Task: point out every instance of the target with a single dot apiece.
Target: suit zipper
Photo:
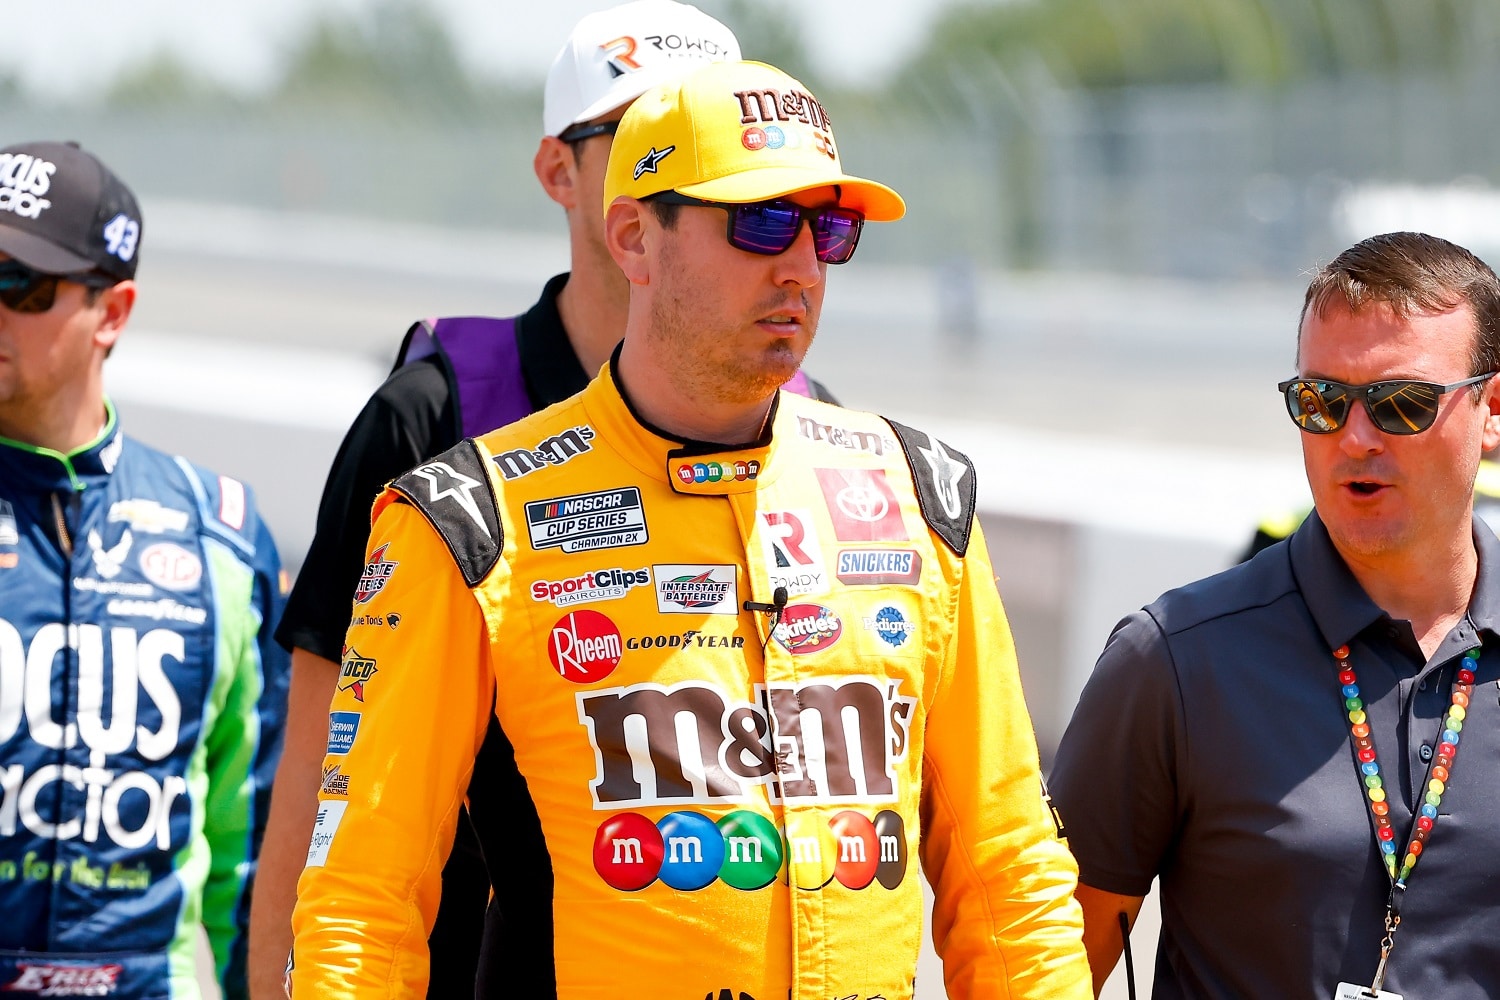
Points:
(70, 665)
(61, 522)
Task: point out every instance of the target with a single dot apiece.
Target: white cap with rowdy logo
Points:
(614, 56)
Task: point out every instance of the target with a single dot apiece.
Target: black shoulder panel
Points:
(453, 491)
(945, 485)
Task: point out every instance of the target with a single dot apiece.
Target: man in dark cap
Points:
(141, 695)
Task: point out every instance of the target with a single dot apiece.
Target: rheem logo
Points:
(584, 646)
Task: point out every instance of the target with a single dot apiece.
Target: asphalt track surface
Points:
(258, 335)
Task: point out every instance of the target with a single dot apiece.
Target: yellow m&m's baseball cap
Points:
(735, 132)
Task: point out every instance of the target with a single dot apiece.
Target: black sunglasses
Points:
(580, 132)
(1399, 406)
(26, 290)
(771, 227)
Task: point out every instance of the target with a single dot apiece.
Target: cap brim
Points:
(874, 200)
(35, 252)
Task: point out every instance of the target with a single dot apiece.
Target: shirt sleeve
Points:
(1114, 783)
(410, 418)
(410, 713)
(243, 746)
(1004, 919)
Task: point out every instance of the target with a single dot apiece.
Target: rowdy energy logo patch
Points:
(793, 558)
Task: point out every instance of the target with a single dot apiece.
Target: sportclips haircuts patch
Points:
(609, 519)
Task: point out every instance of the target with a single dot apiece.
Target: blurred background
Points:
(1114, 205)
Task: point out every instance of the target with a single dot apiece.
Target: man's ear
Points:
(557, 171)
(115, 304)
(1491, 437)
(625, 231)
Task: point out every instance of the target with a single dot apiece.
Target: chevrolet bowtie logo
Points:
(647, 164)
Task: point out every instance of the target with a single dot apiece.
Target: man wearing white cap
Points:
(459, 377)
(750, 674)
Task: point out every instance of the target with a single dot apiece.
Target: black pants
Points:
(459, 930)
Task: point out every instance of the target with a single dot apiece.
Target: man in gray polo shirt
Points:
(1306, 748)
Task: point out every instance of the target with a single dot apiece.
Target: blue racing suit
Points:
(141, 707)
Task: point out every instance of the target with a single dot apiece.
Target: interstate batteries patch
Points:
(608, 519)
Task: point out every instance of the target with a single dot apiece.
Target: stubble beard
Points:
(705, 364)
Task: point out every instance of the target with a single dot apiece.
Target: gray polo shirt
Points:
(1211, 748)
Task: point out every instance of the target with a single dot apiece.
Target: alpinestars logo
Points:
(444, 482)
(648, 163)
(947, 473)
(23, 180)
(49, 980)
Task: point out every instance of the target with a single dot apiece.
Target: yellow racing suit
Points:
(746, 690)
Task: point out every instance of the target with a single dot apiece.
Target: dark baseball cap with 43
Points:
(62, 211)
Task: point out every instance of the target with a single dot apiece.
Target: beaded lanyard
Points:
(1437, 783)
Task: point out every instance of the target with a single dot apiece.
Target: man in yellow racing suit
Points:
(746, 687)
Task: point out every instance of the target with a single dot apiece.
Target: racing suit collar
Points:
(48, 470)
(701, 468)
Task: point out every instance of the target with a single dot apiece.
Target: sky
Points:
(66, 48)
